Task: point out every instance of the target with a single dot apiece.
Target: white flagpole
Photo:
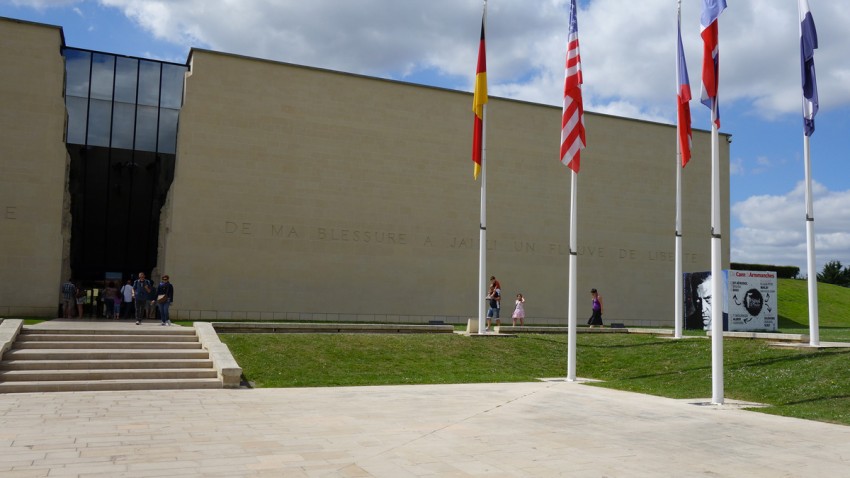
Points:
(677, 280)
(814, 333)
(716, 279)
(810, 106)
(678, 299)
(571, 317)
(482, 228)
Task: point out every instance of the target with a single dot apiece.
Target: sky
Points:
(628, 51)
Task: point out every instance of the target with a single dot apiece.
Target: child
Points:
(519, 312)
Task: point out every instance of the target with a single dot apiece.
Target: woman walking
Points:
(595, 318)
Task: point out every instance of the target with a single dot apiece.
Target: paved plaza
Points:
(549, 428)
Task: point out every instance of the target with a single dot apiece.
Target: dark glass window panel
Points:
(172, 86)
(100, 122)
(123, 125)
(126, 79)
(96, 174)
(146, 128)
(168, 130)
(102, 76)
(77, 119)
(149, 83)
(77, 69)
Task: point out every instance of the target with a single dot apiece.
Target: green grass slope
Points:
(793, 304)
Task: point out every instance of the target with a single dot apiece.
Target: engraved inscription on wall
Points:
(395, 238)
(9, 213)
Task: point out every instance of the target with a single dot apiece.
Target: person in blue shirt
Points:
(164, 298)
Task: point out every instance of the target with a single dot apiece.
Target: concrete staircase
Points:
(79, 358)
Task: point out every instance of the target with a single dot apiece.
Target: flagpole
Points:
(571, 306)
(709, 97)
(678, 299)
(808, 44)
(716, 279)
(677, 270)
(572, 142)
(814, 333)
(482, 228)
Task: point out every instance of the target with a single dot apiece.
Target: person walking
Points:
(596, 317)
(142, 290)
(494, 296)
(110, 294)
(519, 311)
(69, 296)
(164, 298)
(80, 298)
(127, 293)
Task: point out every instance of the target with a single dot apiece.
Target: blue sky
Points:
(628, 60)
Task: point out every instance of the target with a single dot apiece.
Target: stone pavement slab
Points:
(550, 428)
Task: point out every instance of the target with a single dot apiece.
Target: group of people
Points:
(494, 302)
(140, 294)
(494, 299)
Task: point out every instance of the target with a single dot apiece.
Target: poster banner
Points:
(698, 300)
(752, 301)
(748, 302)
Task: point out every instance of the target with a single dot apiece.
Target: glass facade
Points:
(123, 115)
(121, 102)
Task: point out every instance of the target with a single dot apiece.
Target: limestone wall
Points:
(308, 194)
(33, 164)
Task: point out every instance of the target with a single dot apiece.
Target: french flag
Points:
(808, 44)
(711, 10)
(683, 96)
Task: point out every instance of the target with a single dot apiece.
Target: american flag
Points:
(683, 98)
(572, 120)
(711, 10)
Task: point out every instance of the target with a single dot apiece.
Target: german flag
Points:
(478, 101)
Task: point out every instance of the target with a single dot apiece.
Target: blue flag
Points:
(808, 44)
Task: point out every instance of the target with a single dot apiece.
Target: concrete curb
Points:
(314, 328)
(9, 330)
(228, 370)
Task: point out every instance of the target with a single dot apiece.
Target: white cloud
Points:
(773, 228)
(628, 48)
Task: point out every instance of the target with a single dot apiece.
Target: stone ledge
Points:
(9, 330)
(765, 336)
(229, 372)
(313, 328)
(530, 329)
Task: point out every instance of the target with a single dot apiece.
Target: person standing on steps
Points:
(69, 298)
(164, 298)
(142, 290)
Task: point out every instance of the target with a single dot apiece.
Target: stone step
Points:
(103, 354)
(26, 344)
(116, 331)
(104, 374)
(100, 385)
(104, 364)
(30, 337)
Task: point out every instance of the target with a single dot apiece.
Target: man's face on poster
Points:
(704, 296)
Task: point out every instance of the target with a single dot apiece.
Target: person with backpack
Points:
(142, 291)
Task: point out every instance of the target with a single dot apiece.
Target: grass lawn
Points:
(810, 384)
